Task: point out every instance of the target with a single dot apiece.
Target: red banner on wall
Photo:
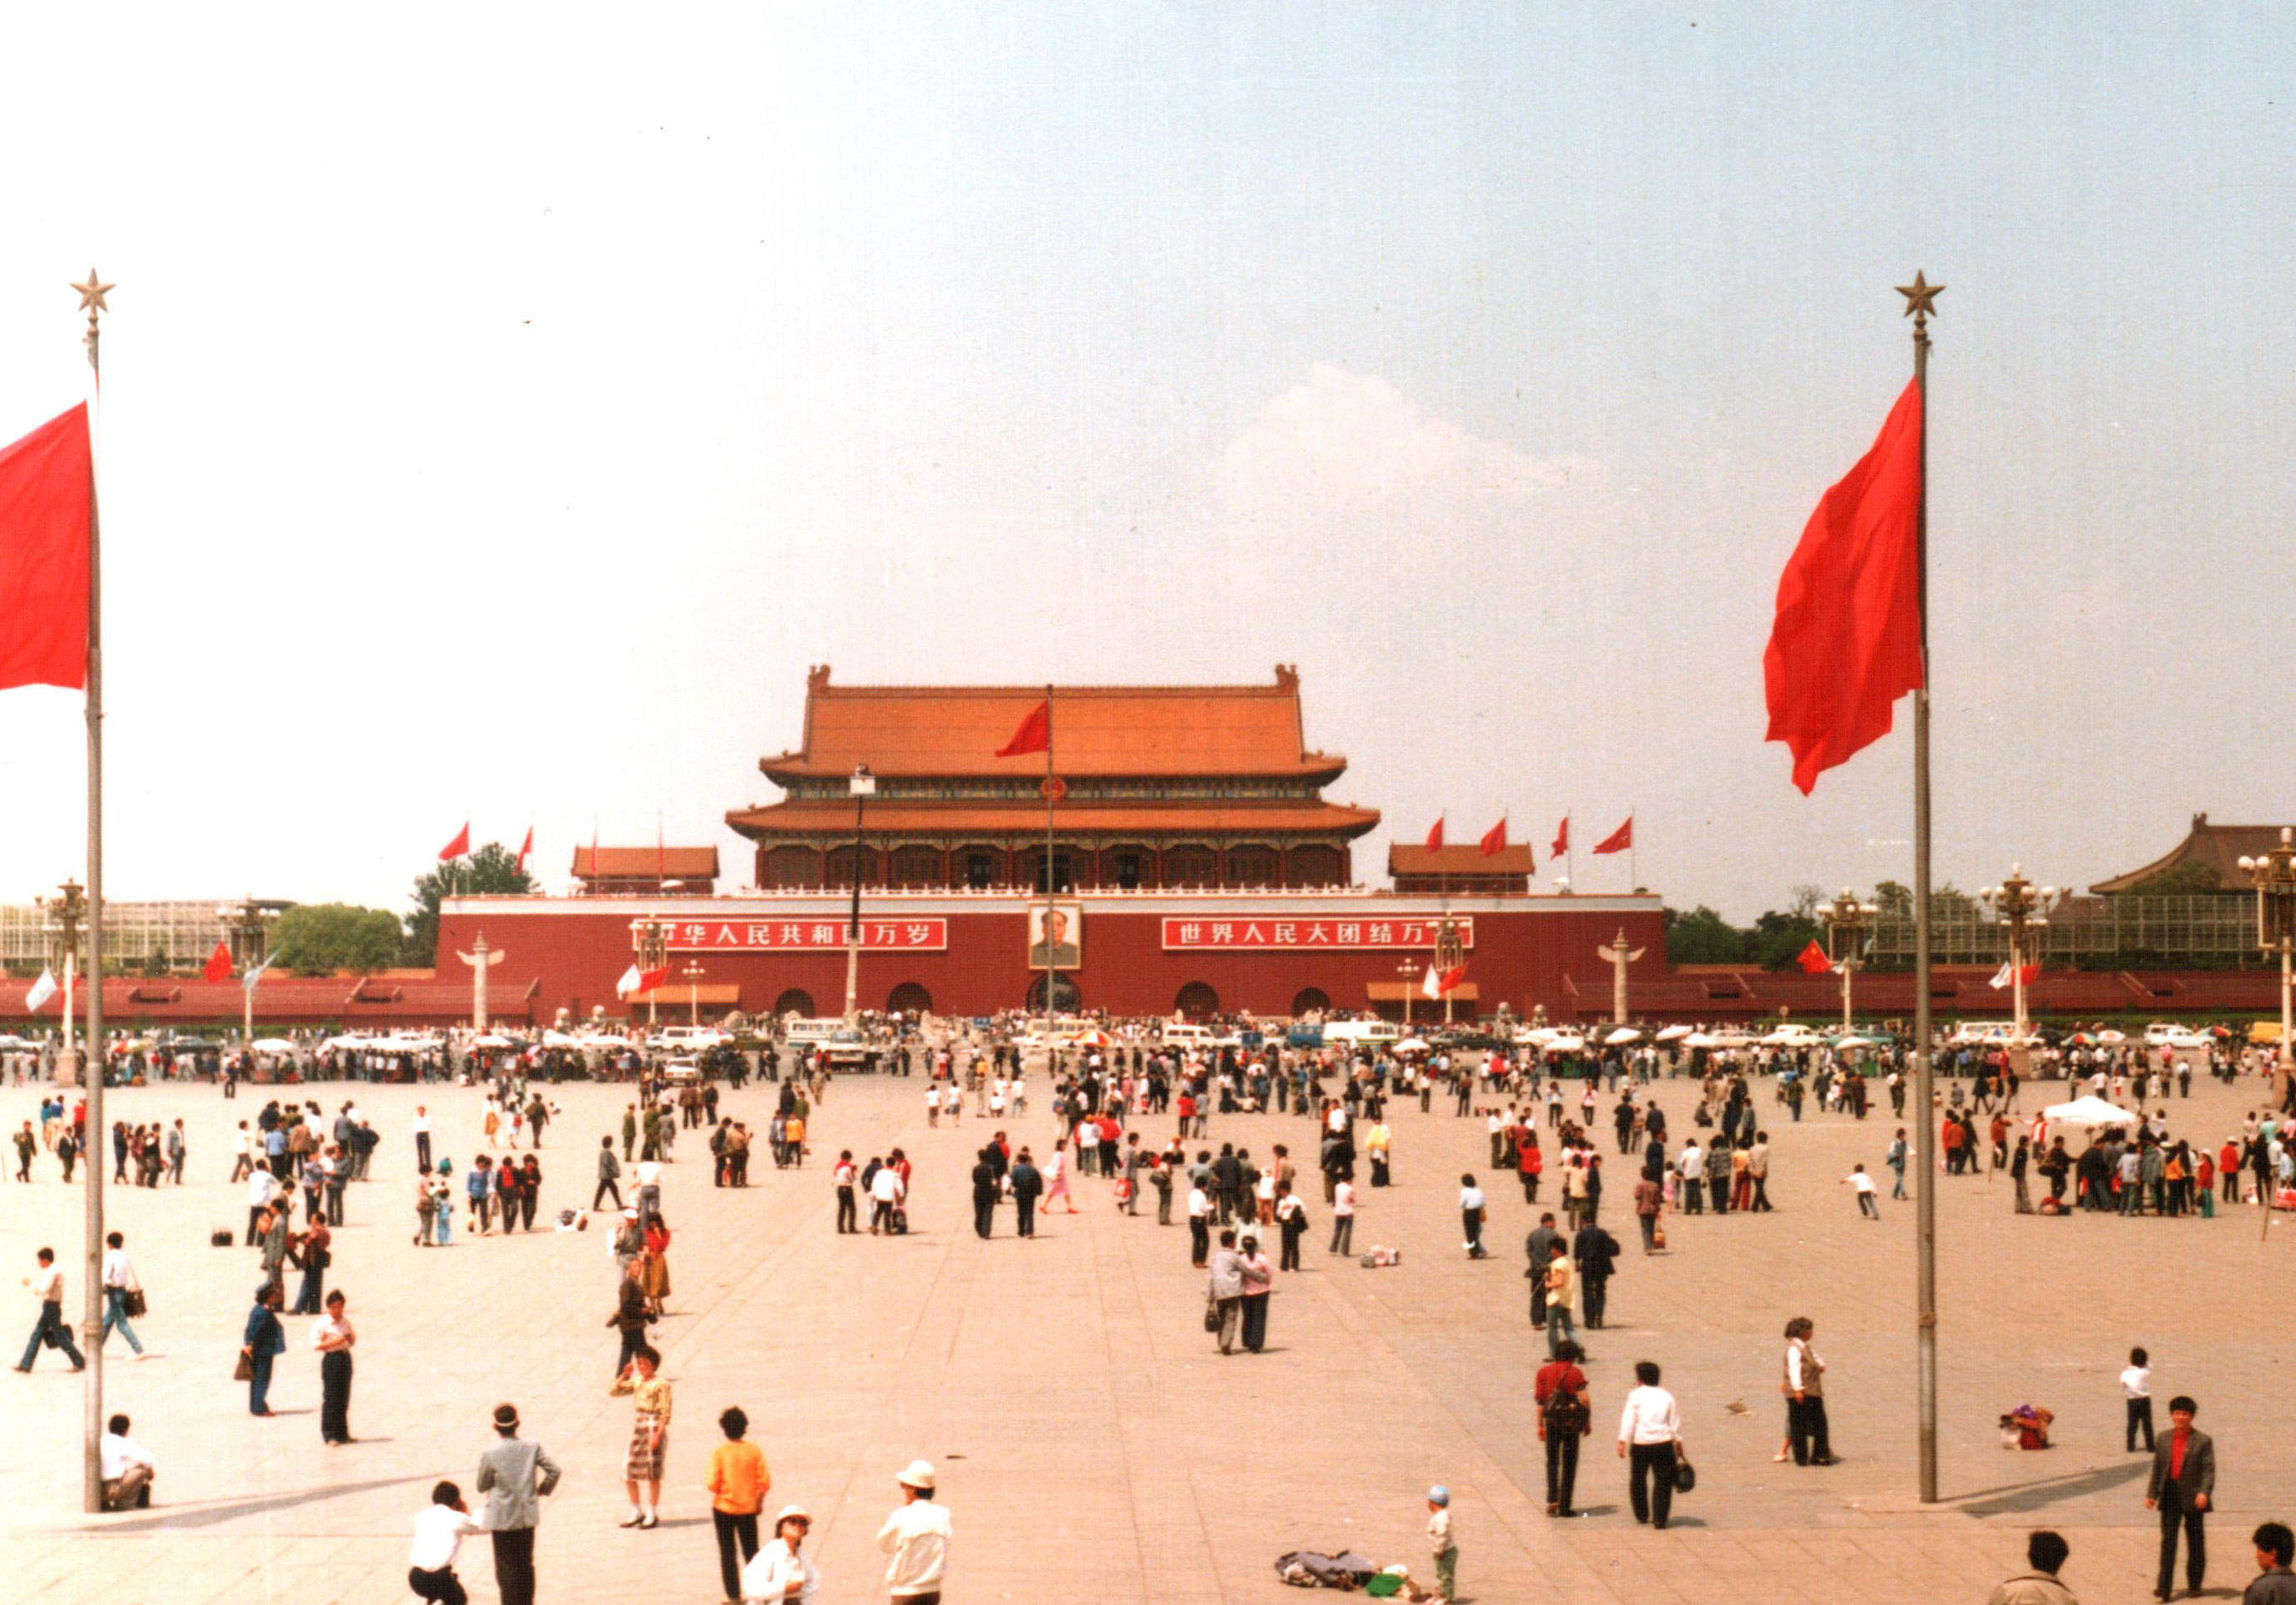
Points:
(1282, 933)
(783, 935)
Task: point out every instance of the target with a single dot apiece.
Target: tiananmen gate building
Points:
(1195, 867)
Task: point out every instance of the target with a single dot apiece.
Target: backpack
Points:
(1563, 1414)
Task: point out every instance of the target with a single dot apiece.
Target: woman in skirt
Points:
(649, 1434)
(654, 1278)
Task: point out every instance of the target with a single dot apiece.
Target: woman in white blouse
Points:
(780, 1570)
(1649, 1436)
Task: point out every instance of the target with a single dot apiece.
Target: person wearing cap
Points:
(916, 1535)
(738, 1483)
(1439, 1540)
(782, 1570)
(514, 1475)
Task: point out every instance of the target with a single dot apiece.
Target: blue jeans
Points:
(115, 1313)
(52, 1319)
(259, 1391)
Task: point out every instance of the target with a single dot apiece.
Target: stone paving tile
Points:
(1092, 1443)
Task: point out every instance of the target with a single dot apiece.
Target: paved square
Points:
(1092, 1444)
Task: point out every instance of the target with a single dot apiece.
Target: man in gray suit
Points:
(2184, 1483)
(513, 1475)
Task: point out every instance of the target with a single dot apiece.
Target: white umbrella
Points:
(1409, 1044)
(1852, 1042)
(2090, 1111)
(273, 1044)
(492, 1039)
(1566, 1044)
(1699, 1039)
(1674, 1033)
(2112, 1037)
(1623, 1033)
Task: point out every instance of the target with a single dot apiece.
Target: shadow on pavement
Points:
(2020, 1497)
(214, 1515)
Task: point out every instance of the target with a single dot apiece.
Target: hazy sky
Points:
(507, 405)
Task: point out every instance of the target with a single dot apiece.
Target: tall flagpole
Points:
(91, 302)
(1919, 302)
(1050, 790)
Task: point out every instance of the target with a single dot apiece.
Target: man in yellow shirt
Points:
(738, 1483)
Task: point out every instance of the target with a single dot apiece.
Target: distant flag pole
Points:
(1921, 298)
(91, 302)
(526, 847)
(1052, 797)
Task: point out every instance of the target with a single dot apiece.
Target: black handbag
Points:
(1211, 1315)
(1685, 1475)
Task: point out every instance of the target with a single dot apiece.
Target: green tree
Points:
(155, 963)
(492, 870)
(1702, 937)
(319, 938)
(1778, 938)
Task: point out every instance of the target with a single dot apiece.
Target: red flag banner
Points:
(1035, 734)
(1847, 642)
(1494, 840)
(1449, 981)
(218, 965)
(46, 502)
(1435, 837)
(1562, 839)
(1620, 839)
(460, 847)
(526, 847)
(1813, 960)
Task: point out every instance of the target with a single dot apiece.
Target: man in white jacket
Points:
(916, 1535)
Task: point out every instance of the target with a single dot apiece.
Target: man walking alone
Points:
(514, 1475)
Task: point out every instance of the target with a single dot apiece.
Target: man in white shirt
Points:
(1650, 1438)
(119, 1281)
(262, 1187)
(649, 1175)
(885, 1191)
(439, 1533)
(48, 1288)
(422, 1139)
(126, 1467)
(916, 1535)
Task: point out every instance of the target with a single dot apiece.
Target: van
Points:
(1361, 1033)
(1187, 1036)
(812, 1033)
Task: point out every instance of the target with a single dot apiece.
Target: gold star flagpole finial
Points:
(1921, 298)
(91, 302)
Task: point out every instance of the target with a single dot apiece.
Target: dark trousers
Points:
(1200, 1239)
(254, 1214)
(730, 1528)
(1718, 1189)
(1649, 1481)
(308, 1292)
(1290, 1258)
(1255, 1321)
(984, 1214)
(423, 1151)
(51, 1320)
(442, 1587)
(335, 1396)
(632, 1337)
(1561, 1469)
(606, 1189)
(515, 1565)
(1761, 1193)
(1025, 1217)
(258, 1386)
(1343, 1233)
(847, 1220)
(1806, 1428)
(1597, 1294)
(2140, 1418)
(1649, 1224)
(2174, 1513)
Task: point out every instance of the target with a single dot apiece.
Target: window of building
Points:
(1125, 868)
(1315, 864)
(981, 867)
(1062, 871)
(1251, 865)
(793, 866)
(916, 866)
(1191, 865)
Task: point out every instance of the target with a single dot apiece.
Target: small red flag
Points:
(1847, 642)
(1494, 840)
(1435, 837)
(460, 847)
(1813, 960)
(1035, 734)
(649, 979)
(526, 847)
(46, 496)
(1562, 839)
(1620, 839)
(218, 965)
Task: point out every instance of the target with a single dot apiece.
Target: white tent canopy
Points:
(2091, 1110)
(1623, 1033)
(1674, 1033)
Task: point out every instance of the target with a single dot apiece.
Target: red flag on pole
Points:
(1035, 734)
(525, 847)
(218, 965)
(1562, 846)
(1494, 840)
(1620, 839)
(460, 847)
(1813, 960)
(1435, 837)
(45, 503)
(1847, 642)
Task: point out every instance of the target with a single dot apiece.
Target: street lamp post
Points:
(2275, 877)
(67, 911)
(1410, 971)
(246, 928)
(863, 786)
(2019, 904)
(650, 940)
(692, 973)
(1847, 920)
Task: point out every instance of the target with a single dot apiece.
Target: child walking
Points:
(1867, 1204)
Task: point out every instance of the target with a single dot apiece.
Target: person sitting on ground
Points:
(127, 1468)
